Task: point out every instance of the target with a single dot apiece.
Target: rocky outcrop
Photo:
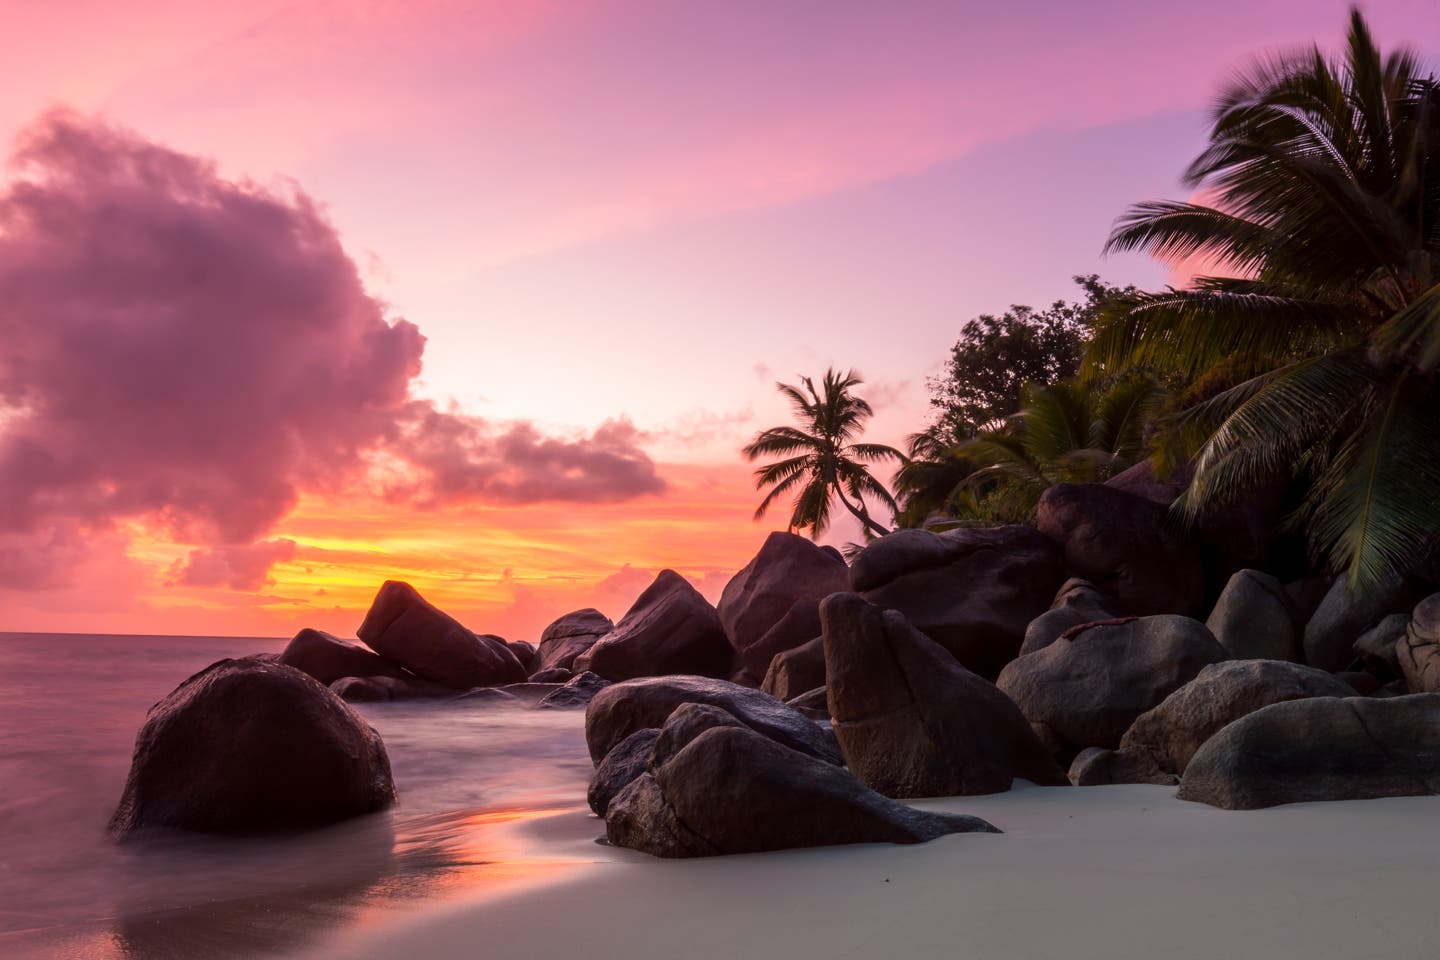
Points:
(627, 760)
(1418, 652)
(328, 658)
(913, 722)
(524, 651)
(1124, 546)
(670, 629)
(732, 790)
(973, 591)
(1320, 748)
(1378, 648)
(1220, 694)
(1098, 767)
(569, 637)
(1343, 616)
(1087, 688)
(249, 745)
(621, 709)
(404, 628)
(798, 670)
(1076, 602)
(578, 691)
(1253, 620)
(772, 604)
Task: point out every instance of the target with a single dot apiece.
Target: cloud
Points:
(194, 352)
(244, 567)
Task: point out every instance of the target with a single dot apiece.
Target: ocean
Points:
(476, 783)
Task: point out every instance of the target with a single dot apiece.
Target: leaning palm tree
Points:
(821, 461)
(1325, 226)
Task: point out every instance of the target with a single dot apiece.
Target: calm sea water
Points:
(476, 784)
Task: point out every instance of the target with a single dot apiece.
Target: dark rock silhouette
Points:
(568, 637)
(328, 658)
(797, 670)
(670, 629)
(403, 627)
(1253, 618)
(773, 603)
(1076, 602)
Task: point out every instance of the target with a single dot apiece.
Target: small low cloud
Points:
(244, 567)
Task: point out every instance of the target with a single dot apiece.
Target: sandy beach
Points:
(1114, 872)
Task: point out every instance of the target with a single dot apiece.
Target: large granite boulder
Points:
(251, 745)
(913, 722)
(1087, 688)
(785, 581)
(1343, 616)
(1378, 649)
(403, 627)
(1321, 748)
(578, 691)
(1076, 602)
(670, 629)
(1418, 652)
(328, 658)
(973, 591)
(569, 637)
(1253, 620)
(733, 790)
(1220, 694)
(797, 670)
(627, 760)
(1124, 545)
(622, 708)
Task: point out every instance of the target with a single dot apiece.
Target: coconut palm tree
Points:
(1325, 228)
(821, 461)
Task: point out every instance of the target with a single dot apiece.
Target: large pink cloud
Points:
(196, 351)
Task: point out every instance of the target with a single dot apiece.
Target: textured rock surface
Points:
(1253, 619)
(328, 658)
(629, 758)
(569, 637)
(403, 627)
(1219, 695)
(731, 790)
(798, 670)
(772, 604)
(1418, 652)
(1321, 748)
(621, 709)
(911, 721)
(578, 691)
(1076, 602)
(1342, 617)
(1377, 648)
(670, 629)
(1086, 688)
(1123, 544)
(251, 745)
(973, 591)
(1098, 767)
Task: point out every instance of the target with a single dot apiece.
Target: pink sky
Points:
(613, 224)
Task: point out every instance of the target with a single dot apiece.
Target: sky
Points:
(303, 296)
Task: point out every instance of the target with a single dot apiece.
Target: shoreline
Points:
(1119, 872)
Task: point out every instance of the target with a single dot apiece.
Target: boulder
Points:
(1086, 688)
(913, 722)
(551, 675)
(1124, 545)
(381, 689)
(815, 704)
(797, 670)
(1139, 480)
(686, 724)
(524, 651)
(328, 658)
(576, 692)
(1377, 648)
(529, 692)
(622, 708)
(569, 637)
(629, 758)
(1253, 619)
(1076, 602)
(971, 590)
(1098, 767)
(249, 746)
(1220, 694)
(732, 790)
(785, 581)
(1343, 616)
(670, 629)
(402, 626)
(1418, 652)
(1321, 748)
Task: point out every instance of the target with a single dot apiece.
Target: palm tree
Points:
(1325, 174)
(821, 460)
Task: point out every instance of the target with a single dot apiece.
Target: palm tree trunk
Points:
(860, 513)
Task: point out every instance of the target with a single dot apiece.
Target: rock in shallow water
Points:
(403, 627)
(249, 746)
(911, 721)
(569, 637)
(328, 658)
(731, 790)
(1320, 749)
